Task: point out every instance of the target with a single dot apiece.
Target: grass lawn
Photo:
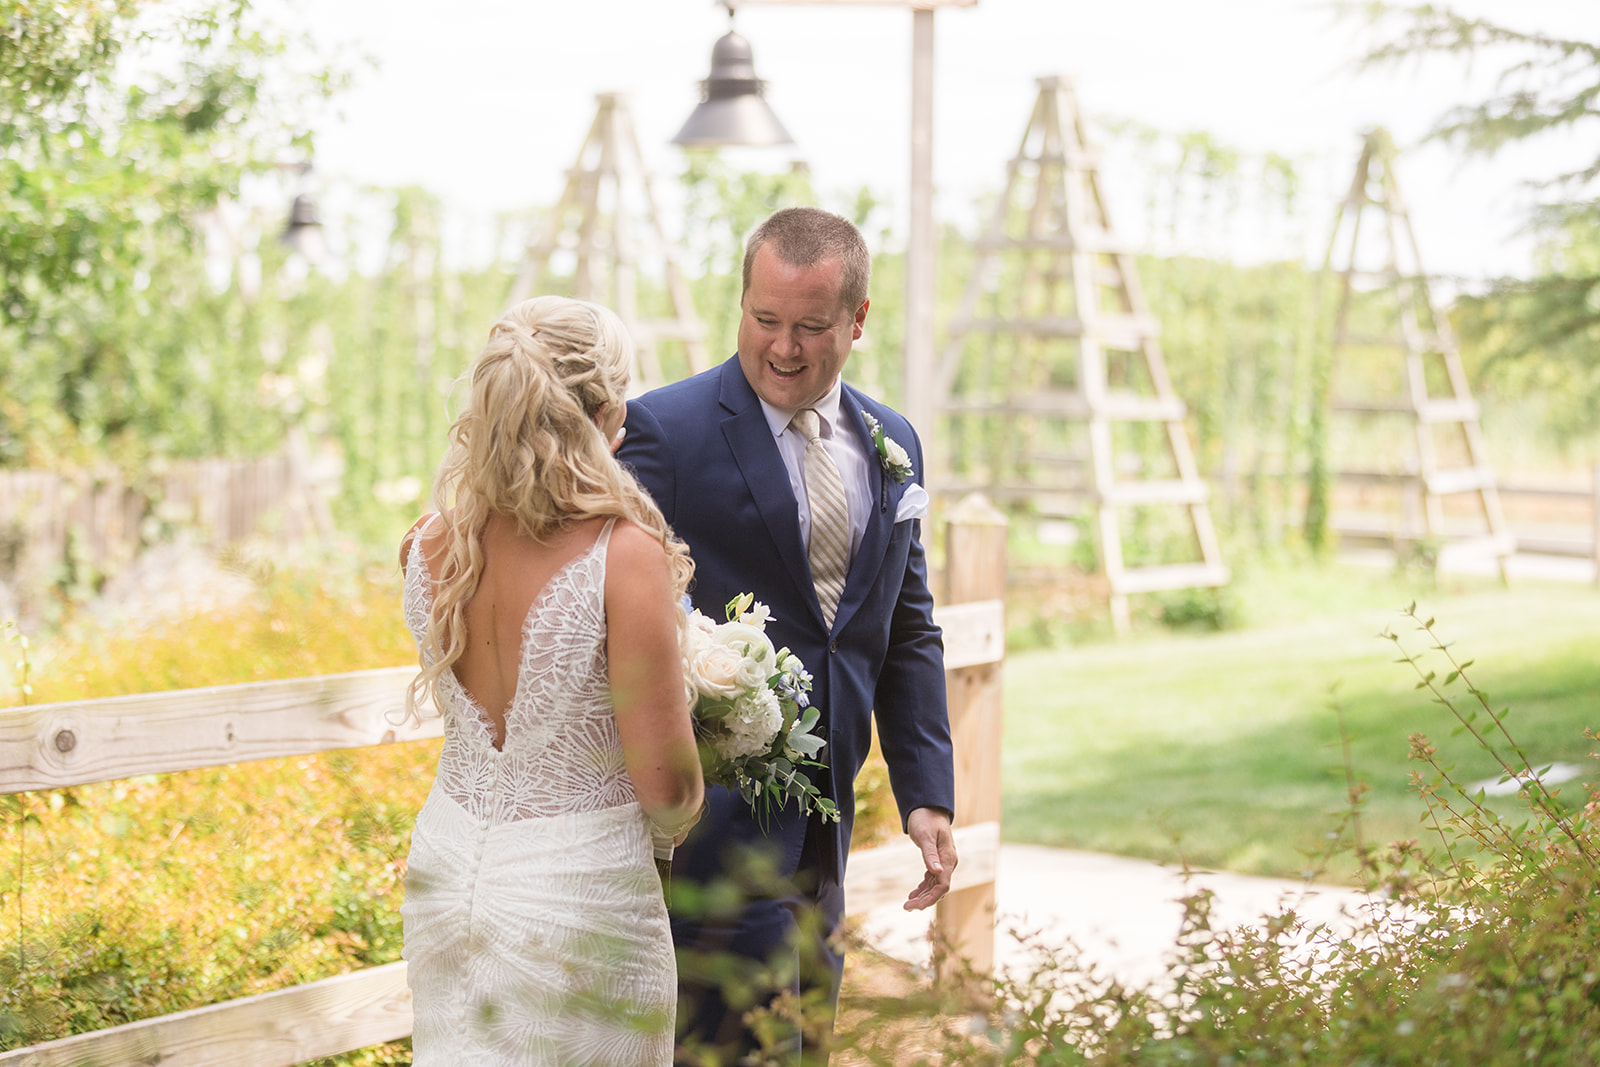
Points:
(1223, 748)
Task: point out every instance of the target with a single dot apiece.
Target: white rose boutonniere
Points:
(895, 459)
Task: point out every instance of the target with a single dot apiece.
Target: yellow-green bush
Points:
(130, 899)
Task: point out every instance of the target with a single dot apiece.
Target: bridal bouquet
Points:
(751, 712)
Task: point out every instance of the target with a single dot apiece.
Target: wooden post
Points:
(920, 243)
(975, 570)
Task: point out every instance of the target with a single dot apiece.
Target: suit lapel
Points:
(756, 452)
(885, 495)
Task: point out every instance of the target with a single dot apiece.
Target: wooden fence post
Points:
(975, 570)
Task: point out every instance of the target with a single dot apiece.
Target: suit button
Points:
(833, 646)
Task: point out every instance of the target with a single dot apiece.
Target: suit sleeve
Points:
(910, 705)
(646, 452)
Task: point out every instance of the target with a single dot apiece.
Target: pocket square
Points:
(913, 505)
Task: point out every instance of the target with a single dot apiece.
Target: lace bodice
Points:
(561, 752)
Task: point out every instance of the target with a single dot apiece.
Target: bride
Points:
(543, 597)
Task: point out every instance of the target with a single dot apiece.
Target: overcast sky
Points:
(486, 102)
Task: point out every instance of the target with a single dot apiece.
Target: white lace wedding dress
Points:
(535, 930)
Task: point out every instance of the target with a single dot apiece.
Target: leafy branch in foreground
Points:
(1522, 770)
(1451, 960)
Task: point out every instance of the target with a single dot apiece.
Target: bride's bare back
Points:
(516, 569)
(641, 643)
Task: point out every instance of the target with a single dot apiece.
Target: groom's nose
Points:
(787, 342)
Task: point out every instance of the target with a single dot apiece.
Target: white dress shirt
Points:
(849, 453)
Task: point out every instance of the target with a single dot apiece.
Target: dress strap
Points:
(604, 539)
(598, 550)
(416, 535)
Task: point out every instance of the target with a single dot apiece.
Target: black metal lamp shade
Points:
(304, 231)
(732, 110)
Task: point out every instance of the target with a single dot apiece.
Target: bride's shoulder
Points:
(638, 579)
(427, 528)
(633, 542)
(633, 554)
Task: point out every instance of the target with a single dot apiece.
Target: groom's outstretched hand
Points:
(929, 829)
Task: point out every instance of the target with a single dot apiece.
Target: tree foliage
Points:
(1547, 85)
(109, 164)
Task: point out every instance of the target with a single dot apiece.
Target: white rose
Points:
(713, 670)
(758, 660)
(897, 456)
(739, 634)
(753, 674)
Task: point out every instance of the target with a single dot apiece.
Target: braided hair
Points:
(527, 446)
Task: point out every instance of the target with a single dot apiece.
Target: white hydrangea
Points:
(754, 721)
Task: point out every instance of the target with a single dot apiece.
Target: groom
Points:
(768, 468)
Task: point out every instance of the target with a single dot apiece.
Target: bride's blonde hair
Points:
(527, 447)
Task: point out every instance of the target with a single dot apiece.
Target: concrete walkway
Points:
(1123, 914)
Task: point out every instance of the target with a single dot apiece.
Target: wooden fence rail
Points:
(1571, 541)
(53, 746)
(1544, 520)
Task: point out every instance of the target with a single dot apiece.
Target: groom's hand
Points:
(929, 829)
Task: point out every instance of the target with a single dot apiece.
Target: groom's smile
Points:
(795, 333)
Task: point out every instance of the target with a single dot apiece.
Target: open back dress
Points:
(535, 929)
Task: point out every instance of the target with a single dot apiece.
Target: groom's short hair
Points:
(804, 237)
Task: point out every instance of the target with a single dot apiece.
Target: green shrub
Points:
(1476, 951)
(1199, 608)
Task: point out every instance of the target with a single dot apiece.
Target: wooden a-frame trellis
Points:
(1434, 448)
(596, 227)
(1054, 343)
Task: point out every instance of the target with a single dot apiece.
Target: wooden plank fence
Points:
(52, 746)
(1570, 540)
(1544, 519)
(100, 521)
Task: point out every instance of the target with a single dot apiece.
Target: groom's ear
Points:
(859, 320)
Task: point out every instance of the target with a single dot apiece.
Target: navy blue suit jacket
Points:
(703, 450)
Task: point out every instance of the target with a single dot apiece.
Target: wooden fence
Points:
(1566, 521)
(1557, 520)
(52, 746)
(100, 521)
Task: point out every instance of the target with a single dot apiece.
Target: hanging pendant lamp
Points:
(303, 234)
(732, 109)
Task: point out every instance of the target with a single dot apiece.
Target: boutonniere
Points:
(894, 458)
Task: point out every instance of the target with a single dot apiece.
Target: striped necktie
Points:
(829, 551)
